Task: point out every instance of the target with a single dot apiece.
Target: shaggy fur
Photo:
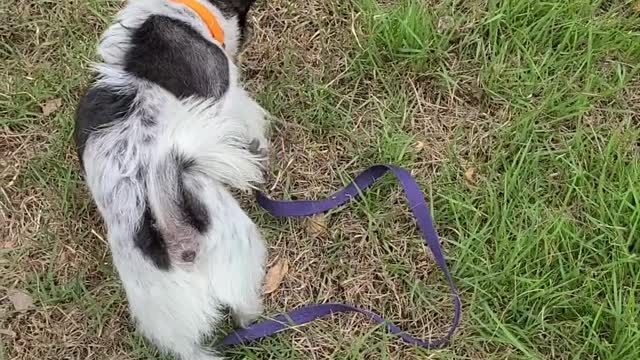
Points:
(162, 133)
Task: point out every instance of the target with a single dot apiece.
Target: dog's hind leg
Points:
(247, 311)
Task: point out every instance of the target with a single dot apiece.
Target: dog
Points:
(165, 134)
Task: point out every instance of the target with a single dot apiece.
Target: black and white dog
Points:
(163, 133)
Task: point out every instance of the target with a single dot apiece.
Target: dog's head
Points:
(238, 11)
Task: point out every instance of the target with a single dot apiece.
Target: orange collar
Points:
(207, 16)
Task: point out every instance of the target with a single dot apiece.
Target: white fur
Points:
(175, 309)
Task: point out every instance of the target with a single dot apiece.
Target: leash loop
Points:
(308, 313)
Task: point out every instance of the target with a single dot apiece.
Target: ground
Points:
(519, 118)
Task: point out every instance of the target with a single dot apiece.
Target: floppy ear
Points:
(235, 7)
(238, 9)
(242, 6)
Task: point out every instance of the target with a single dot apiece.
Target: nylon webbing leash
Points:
(308, 313)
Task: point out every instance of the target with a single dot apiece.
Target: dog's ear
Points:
(242, 6)
(238, 9)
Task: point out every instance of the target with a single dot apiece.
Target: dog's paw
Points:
(247, 316)
(245, 321)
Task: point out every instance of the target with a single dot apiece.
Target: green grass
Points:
(540, 97)
(547, 250)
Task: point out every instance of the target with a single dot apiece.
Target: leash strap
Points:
(308, 313)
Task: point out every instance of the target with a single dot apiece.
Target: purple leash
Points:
(308, 313)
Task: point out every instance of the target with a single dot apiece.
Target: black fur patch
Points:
(150, 242)
(194, 212)
(99, 107)
(171, 54)
(239, 8)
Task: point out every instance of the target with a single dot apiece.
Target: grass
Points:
(520, 119)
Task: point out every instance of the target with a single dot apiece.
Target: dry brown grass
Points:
(37, 242)
(348, 259)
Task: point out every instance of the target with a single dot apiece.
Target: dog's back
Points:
(161, 133)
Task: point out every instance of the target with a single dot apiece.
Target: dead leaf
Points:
(470, 175)
(51, 106)
(445, 23)
(21, 300)
(317, 226)
(275, 275)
